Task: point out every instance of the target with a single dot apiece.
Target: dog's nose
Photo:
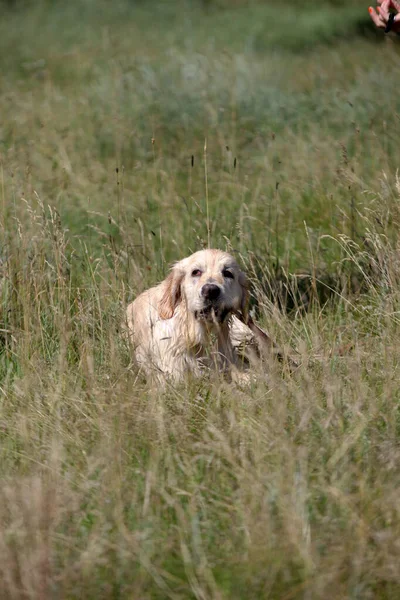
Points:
(210, 291)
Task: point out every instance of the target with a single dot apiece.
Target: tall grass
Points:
(110, 488)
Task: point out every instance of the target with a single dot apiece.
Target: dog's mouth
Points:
(212, 313)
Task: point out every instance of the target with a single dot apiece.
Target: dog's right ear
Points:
(171, 293)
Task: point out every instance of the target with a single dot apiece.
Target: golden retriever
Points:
(186, 324)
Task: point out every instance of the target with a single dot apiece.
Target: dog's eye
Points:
(196, 273)
(228, 274)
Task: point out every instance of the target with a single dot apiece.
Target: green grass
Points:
(110, 487)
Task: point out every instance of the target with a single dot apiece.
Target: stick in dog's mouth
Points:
(212, 314)
(264, 341)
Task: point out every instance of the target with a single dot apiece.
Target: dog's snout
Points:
(210, 291)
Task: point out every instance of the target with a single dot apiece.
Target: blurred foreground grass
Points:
(111, 489)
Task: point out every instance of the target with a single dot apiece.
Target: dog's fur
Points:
(180, 326)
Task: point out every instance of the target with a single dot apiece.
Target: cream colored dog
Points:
(186, 323)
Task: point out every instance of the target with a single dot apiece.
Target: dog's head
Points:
(209, 282)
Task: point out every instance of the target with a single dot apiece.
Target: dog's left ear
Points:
(244, 304)
(171, 295)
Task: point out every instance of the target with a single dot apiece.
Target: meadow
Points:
(122, 124)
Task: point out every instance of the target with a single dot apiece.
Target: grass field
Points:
(119, 122)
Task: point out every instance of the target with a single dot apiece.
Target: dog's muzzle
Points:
(212, 311)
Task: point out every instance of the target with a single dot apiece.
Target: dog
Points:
(187, 324)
